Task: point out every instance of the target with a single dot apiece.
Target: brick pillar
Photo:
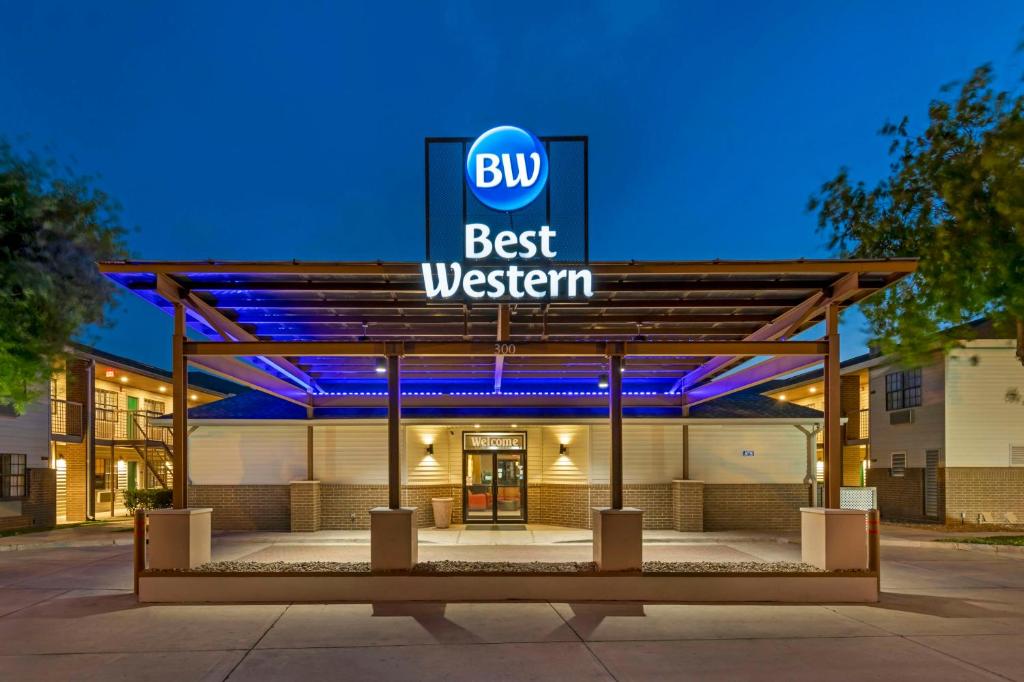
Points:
(305, 506)
(688, 506)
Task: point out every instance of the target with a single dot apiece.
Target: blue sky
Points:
(294, 130)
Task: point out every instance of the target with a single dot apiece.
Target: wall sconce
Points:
(430, 449)
(602, 381)
(381, 366)
(562, 449)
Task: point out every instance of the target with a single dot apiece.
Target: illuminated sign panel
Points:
(496, 233)
(493, 441)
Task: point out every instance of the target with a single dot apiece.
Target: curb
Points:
(1008, 550)
(114, 542)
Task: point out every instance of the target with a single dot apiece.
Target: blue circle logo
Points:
(507, 168)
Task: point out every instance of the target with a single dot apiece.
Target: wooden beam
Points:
(394, 362)
(668, 302)
(749, 377)
(784, 324)
(253, 377)
(227, 328)
(526, 348)
(615, 422)
(774, 267)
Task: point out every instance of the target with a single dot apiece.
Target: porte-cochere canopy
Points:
(316, 333)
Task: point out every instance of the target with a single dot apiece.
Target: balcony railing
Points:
(130, 425)
(864, 428)
(65, 417)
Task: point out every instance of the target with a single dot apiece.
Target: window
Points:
(903, 389)
(101, 475)
(12, 476)
(154, 406)
(899, 465)
(106, 405)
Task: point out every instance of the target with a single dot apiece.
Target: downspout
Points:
(811, 476)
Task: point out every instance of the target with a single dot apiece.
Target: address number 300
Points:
(504, 349)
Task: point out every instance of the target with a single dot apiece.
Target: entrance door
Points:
(494, 489)
(129, 418)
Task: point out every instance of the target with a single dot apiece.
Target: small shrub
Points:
(147, 498)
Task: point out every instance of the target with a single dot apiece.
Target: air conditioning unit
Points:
(105, 497)
(901, 417)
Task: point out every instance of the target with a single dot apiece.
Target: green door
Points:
(133, 406)
(133, 474)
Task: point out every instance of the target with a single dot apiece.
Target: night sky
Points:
(295, 130)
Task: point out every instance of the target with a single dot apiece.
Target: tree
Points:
(54, 226)
(954, 197)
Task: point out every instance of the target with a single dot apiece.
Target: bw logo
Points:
(507, 168)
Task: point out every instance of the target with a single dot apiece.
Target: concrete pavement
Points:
(67, 613)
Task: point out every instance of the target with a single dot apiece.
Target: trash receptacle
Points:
(442, 511)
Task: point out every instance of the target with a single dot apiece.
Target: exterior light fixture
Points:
(602, 381)
(562, 449)
(513, 425)
(430, 448)
(193, 397)
(381, 367)
(124, 379)
(814, 389)
(163, 389)
(782, 397)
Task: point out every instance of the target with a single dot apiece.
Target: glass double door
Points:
(495, 487)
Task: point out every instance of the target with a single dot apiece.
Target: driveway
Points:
(67, 613)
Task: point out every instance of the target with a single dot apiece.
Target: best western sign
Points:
(516, 255)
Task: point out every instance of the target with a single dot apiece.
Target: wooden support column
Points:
(180, 402)
(394, 434)
(615, 418)
(833, 436)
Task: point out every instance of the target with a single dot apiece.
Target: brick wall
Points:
(561, 504)
(757, 506)
(972, 490)
(39, 506)
(245, 507)
(688, 506)
(74, 456)
(305, 506)
(570, 504)
(347, 507)
(420, 496)
(853, 462)
(902, 499)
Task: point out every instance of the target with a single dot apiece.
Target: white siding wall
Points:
(927, 430)
(425, 469)
(981, 423)
(356, 454)
(247, 454)
(574, 465)
(716, 453)
(651, 453)
(28, 434)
